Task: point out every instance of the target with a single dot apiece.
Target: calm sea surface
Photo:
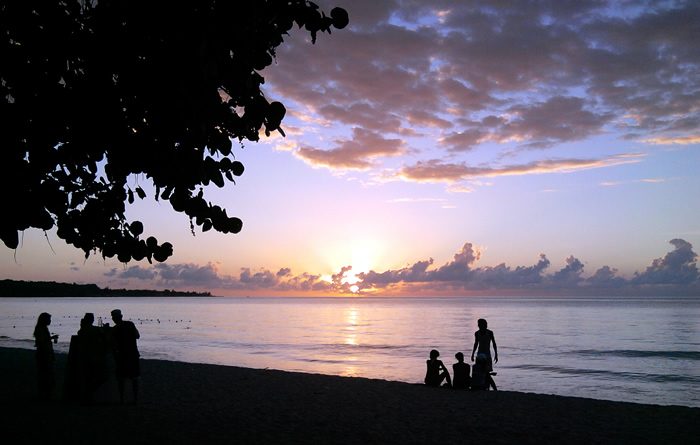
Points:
(643, 350)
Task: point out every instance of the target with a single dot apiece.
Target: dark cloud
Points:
(674, 274)
(356, 154)
(137, 272)
(677, 267)
(187, 273)
(677, 270)
(437, 171)
(559, 119)
(606, 277)
(284, 272)
(534, 74)
(521, 277)
(570, 274)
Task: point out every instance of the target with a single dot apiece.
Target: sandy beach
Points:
(184, 403)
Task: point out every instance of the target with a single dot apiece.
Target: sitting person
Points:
(460, 370)
(436, 371)
(481, 375)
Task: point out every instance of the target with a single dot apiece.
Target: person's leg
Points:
(491, 383)
(135, 384)
(446, 377)
(120, 383)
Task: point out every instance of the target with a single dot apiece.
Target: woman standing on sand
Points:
(44, 356)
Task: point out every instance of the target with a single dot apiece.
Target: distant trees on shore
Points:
(14, 288)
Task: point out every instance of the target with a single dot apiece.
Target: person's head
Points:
(116, 315)
(89, 318)
(481, 358)
(434, 354)
(44, 319)
(460, 357)
(482, 323)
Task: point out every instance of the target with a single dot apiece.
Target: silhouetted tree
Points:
(97, 91)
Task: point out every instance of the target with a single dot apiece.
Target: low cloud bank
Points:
(674, 274)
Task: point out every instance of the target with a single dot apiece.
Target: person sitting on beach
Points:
(482, 341)
(460, 371)
(437, 372)
(481, 376)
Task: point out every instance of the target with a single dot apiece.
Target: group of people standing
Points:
(481, 372)
(90, 350)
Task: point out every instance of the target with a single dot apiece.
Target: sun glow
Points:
(361, 262)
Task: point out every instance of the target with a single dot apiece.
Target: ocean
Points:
(644, 350)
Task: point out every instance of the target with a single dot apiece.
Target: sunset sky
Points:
(451, 148)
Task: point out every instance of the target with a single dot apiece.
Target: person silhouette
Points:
(126, 353)
(46, 380)
(92, 356)
(481, 376)
(437, 372)
(482, 341)
(460, 373)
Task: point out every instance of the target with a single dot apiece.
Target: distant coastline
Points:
(44, 289)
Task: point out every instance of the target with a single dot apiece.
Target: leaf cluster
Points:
(95, 94)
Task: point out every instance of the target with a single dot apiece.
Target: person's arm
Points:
(134, 331)
(427, 373)
(476, 345)
(495, 348)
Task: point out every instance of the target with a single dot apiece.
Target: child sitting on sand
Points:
(460, 370)
(481, 375)
(436, 371)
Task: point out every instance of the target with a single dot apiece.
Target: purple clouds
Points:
(439, 79)
(674, 274)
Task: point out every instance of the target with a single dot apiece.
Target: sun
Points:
(361, 262)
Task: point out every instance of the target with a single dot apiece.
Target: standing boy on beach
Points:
(126, 353)
(482, 341)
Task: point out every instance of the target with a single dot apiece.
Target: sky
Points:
(451, 148)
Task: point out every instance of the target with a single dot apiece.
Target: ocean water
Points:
(644, 350)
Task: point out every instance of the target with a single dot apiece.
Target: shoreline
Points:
(184, 403)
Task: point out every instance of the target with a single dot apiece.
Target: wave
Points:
(608, 374)
(630, 353)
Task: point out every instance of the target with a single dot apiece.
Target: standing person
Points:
(436, 372)
(44, 356)
(92, 356)
(126, 353)
(482, 341)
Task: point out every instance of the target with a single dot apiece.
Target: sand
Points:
(183, 403)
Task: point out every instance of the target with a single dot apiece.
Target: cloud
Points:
(677, 270)
(189, 274)
(355, 154)
(674, 274)
(136, 272)
(559, 119)
(677, 267)
(668, 140)
(456, 76)
(606, 277)
(570, 274)
(436, 170)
